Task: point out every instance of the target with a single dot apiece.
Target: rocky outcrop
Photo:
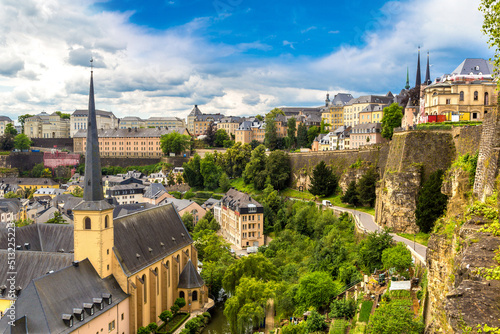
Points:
(397, 200)
(352, 174)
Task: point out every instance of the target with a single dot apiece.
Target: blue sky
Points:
(238, 57)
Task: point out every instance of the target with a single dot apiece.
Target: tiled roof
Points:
(190, 278)
(127, 133)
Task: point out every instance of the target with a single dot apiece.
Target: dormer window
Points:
(89, 308)
(108, 299)
(98, 303)
(68, 319)
(79, 314)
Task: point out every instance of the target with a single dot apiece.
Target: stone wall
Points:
(302, 164)
(125, 162)
(23, 161)
(59, 143)
(467, 139)
(413, 156)
(487, 164)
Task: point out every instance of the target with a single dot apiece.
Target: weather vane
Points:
(91, 63)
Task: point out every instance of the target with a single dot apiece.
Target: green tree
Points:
(247, 305)
(6, 142)
(398, 257)
(9, 129)
(323, 181)
(351, 195)
(302, 135)
(491, 28)
(312, 133)
(22, 119)
(143, 330)
(47, 173)
(22, 142)
(152, 327)
(371, 249)
(77, 192)
(188, 220)
(170, 179)
(192, 174)
(271, 135)
(181, 302)
(315, 322)
(254, 144)
(11, 194)
(235, 159)
(431, 203)
(343, 308)
(174, 142)
(210, 172)
(210, 134)
(63, 115)
(255, 265)
(224, 182)
(291, 130)
(255, 170)
(259, 117)
(278, 169)
(323, 127)
(57, 219)
(393, 115)
(315, 289)
(366, 187)
(395, 317)
(165, 315)
(23, 222)
(179, 179)
(220, 136)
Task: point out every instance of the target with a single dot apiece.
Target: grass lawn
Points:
(240, 185)
(360, 328)
(335, 200)
(305, 195)
(421, 238)
(364, 313)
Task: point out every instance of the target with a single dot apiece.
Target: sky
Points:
(234, 57)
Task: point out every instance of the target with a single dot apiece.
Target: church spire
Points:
(418, 80)
(407, 78)
(427, 72)
(93, 178)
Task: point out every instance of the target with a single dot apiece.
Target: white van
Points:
(326, 203)
(252, 249)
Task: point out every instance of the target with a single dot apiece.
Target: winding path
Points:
(367, 222)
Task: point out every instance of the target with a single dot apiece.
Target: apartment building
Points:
(191, 117)
(241, 219)
(152, 122)
(79, 120)
(355, 106)
(201, 122)
(230, 124)
(4, 120)
(372, 114)
(333, 112)
(366, 134)
(136, 142)
(44, 125)
(250, 130)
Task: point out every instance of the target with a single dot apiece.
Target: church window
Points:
(145, 288)
(486, 99)
(476, 96)
(106, 222)
(461, 96)
(88, 224)
(181, 294)
(195, 296)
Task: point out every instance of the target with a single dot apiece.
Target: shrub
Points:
(165, 315)
(342, 308)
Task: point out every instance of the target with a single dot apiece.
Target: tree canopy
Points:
(391, 119)
(366, 187)
(220, 137)
(174, 142)
(431, 203)
(398, 257)
(323, 181)
(395, 317)
(22, 142)
(271, 135)
(9, 129)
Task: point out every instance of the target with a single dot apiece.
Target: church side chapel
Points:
(146, 259)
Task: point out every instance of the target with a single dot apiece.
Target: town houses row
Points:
(468, 93)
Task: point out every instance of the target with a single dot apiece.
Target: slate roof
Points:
(126, 133)
(154, 190)
(371, 99)
(42, 237)
(474, 66)
(28, 181)
(10, 205)
(31, 265)
(180, 204)
(127, 209)
(159, 228)
(204, 117)
(190, 278)
(195, 111)
(85, 113)
(237, 199)
(47, 298)
(5, 118)
(341, 99)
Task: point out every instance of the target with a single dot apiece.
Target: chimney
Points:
(27, 245)
(76, 263)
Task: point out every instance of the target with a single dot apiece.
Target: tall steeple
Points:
(428, 72)
(93, 177)
(407, 78)
(418, 80)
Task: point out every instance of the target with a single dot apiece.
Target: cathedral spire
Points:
(427, 72)
(93, 178)
(418, 80)
(407, 78)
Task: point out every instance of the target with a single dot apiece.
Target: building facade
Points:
(4, 120)
(355, 106)
(44, 125)
(241, 219)
(79, 121)
(191, 117)
(366, 134)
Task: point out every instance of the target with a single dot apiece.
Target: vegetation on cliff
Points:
(431, 203)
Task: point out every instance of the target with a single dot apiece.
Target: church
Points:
(124, 272)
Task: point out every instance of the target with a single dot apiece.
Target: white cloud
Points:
(46, 45)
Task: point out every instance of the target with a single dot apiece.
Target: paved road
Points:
(368, 222)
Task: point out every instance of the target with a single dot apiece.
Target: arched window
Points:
(145, 288)
(461, 96)
(88, 225)
(181, 294)
(195, 296)
(187, 252)
(157, 281)
(168, 273)
(106, 222)
(486, 99)
(476, 96)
